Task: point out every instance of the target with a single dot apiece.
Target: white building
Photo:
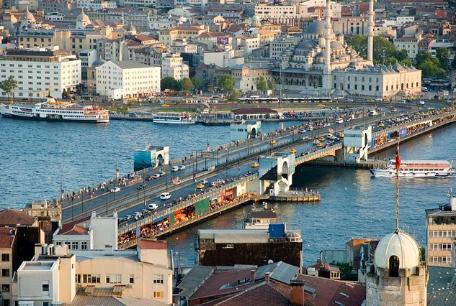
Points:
(96, 5)
(40, 72)
(127, 80)
(100, 234)
(409, 44)
(174, 67)
(222, 58)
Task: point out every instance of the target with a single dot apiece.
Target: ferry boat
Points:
(52, 110)
(173, 118)
(416, 168)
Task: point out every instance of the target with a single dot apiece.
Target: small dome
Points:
(397, 244)
(316, 27)
(83, 19)
(30, 17)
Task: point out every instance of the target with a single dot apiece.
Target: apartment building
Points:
(40, 72)
(173, 66)
(190, 32)
(441, 235)
(409, 44)
(127, 80)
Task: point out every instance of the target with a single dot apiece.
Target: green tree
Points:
(261, 84)
(430, 65)
(271, 84)
(453, 63)
(227, 82)
(9, 86)
(171, 84)
(442, 55)
(197, 82)
(187, 84)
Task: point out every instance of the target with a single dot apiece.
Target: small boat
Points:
(416, 168)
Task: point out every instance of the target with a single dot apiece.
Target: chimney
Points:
(370, 37)
(252, 276)
(297, 293)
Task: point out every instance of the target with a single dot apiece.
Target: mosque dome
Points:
(83, 19)
(398, 244)
(335, 45)
(315, 27)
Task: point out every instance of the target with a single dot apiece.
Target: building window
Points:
(5, 272)
(158, 279)
(5, 288)
(132, 278)
(158, 294)
(45, 287)
(74, 245)
(5, 257)
(58, 243)
(83, 245)
(114, 279)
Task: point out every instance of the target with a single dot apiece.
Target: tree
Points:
(187, 84)
(65, 94)
(430, 65)
(197, 82)
(227, 82)
(442, 55)
(271, 84)
(171, 84)
(8, 86)
(261, 84)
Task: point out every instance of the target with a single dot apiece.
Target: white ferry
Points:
(52, 110)
(416, 168)
(173, 118)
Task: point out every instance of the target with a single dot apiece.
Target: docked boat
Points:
(416, 168)
(173, 118)
(52, 110)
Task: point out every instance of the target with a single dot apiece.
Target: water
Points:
(38, 157)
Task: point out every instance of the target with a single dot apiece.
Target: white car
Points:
(165, 196)
(182, 167)
(422, 102)
(156, 175)
(152, 206)
(115, 189)
(175, 168)
(340, 120)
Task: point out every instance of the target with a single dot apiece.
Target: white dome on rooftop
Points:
(397, 244)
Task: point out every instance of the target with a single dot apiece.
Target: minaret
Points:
(327, 70)
(370, 37)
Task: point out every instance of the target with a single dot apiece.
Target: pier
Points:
(240, 182)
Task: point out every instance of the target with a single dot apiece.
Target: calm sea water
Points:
(39, 157)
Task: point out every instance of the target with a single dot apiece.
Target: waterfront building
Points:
(54, 275)
(441, 234)
(249, 247)
(41, 73)
(173, 66)
(246, 76)
(127, 80)
(99, 234)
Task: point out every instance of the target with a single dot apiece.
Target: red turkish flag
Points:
(398, 160)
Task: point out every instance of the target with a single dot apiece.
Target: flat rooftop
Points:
(38, 265)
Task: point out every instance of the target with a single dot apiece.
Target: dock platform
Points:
(296, 196)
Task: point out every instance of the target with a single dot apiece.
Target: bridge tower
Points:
(276, 173)
(356, 144)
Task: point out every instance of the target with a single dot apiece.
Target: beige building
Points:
(386, 82)
(247, 75)
(441, 235)
(173, 66)
(168, 36)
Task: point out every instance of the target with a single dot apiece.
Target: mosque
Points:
(321, 63)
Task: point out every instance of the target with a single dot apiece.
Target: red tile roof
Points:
(261, 294)
(222, 283)
(328, 291)
(6, 237)
(13, 217)
(76, 230)
(153, 244)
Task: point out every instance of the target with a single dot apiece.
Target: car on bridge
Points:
(175, 168)
(165, 196)
(115, 189)
(152, 206)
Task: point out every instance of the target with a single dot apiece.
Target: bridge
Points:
(236, 181)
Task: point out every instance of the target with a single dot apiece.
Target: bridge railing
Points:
(317, 154)
(131, 225)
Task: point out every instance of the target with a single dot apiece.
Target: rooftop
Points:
(153, 244)
(37, 265)
(130, 64)
(13, 217)
(6, 237)
(76, 230)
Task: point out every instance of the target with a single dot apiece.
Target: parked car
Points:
(141, 187)
(175, 168)
(115, 189)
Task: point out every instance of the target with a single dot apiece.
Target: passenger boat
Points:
(416, 168)
(52, 110)
(173, 118)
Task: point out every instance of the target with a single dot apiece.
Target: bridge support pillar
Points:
(356, 144)
(276, 173)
